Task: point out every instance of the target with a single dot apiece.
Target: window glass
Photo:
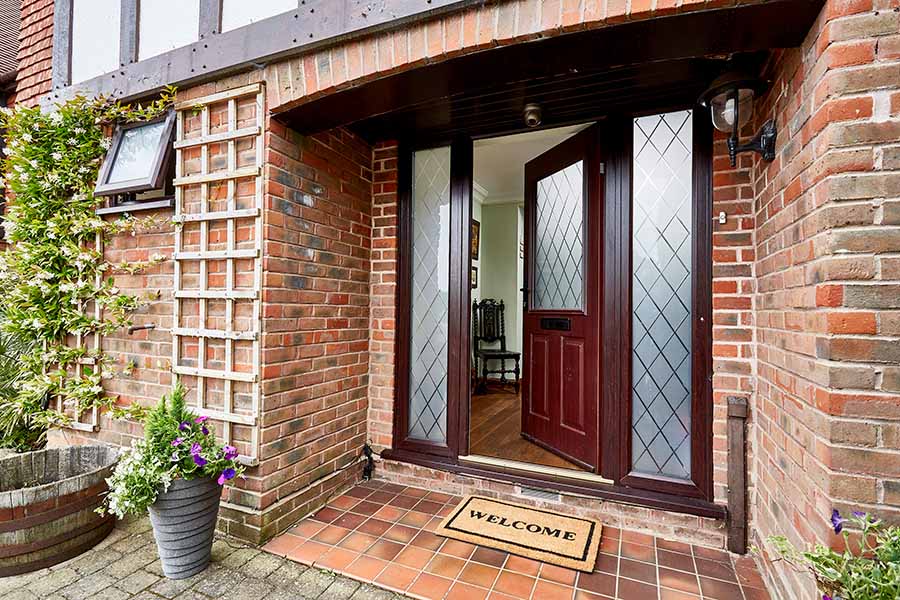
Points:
(429, 295)
(166, 25)
(662, 246)
(95, 38)
(237, 13)
(136, 153)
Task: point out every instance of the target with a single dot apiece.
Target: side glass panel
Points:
(95, 38)
(662, 233)
(166, 25)
(429, 286)
(559, 240)
(237, 13)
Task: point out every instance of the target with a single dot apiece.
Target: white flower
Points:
(105, 143)
(36, 323)
(57, 155)
(27, 137)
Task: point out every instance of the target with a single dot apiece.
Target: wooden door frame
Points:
(615, 390)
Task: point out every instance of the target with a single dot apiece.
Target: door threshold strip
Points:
(526, 468)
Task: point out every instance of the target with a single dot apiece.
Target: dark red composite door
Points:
(560, 398)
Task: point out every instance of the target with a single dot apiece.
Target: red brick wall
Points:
(318, 228)
(35, 51)
(827, 404)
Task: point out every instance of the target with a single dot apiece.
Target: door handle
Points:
(524, 291)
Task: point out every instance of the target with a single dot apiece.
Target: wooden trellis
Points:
(218, 264)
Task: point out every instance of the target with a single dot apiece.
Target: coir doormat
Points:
(532, 532)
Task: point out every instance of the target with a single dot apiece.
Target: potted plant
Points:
(176, 473)
(868, 569)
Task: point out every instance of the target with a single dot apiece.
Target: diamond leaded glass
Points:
(430, 285)
(661, 295)
(559, 246)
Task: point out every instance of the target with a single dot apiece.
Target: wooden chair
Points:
(488, 326)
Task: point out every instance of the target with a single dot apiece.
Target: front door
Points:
(560, 398)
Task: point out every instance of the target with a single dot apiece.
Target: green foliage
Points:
(18, 430)
(53, 271)
(177, 444)
(866, 570)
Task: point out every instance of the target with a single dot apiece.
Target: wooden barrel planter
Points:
(47, 505)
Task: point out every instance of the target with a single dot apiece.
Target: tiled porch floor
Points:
(382, 533)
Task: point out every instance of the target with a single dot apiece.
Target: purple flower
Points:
(184, 426)
(174, 457)
(837, 521)
(177, 441)
(226, 475)
(204, 430)
(196, 449)
(826, 597)
(200, 419)
(230, 452)
(199, 460)
(859, 514)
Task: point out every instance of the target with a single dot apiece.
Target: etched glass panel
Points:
(661, 295)
(429, 294)
(559, 240)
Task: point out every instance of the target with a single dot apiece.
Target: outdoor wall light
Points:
(730, 100)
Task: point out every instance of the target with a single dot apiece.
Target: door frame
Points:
(614, 412)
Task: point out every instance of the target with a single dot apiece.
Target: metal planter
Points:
(184, 522)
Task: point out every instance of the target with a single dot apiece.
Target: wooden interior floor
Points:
(495, 430)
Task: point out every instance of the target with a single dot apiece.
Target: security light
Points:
(137, 157)
(730, 100)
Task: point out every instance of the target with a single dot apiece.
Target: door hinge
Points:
(602, 168)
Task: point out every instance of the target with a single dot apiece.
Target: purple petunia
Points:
(204, 430)
(859, 514)
(184, 426)
(174, 457)
(196, 448)
(200, 419)
(199, 460)
(837, 521)
(230, 452)
(177, 441)
(226, 475)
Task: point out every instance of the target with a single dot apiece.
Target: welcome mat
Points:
(532, 532)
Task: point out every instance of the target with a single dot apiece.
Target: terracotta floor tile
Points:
(583, 595)
(404, 502)
(753, 593)
(414, 558)
(366, 568)
(457, 548)
(479, 574)
(679, 580)
(358, 492)
(613, 532)
(384, 549)
(397, 577)
(344, 502)
(308, 552)
(374, 527)
(283, 544)
(426, 539)
(523, 565)
(515, 584)
(338, 559)
(719, 590)
(449, 508)
(327, 515)
(671, 546)
(711, 554)
(366, 508)
(558, 574)
(394, 488)
(400, 534)
(433, 524)
(330, 535)
(390, 513)
(500, 596)
(438, 497)
(607, 563)
(667, 594)
(445, 566)
(608, 544)
(349, 521)
(489, 556)
(464, 591)
(381, 497)
(599, 583)
(716, 570)
(414, 519)
(430, 586)
(675, 560)
(633, 569)
(635, 590)
(638, 552)
(638, 538)
(415, 492)
(307, 528)
(358, 542)
(428, 507)
(546, 590)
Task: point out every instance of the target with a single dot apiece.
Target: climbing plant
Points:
(53, 270)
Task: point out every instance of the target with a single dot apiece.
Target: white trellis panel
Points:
(217, 346)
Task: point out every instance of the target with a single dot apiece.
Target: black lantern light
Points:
(730, 100)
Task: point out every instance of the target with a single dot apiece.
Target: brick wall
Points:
(35, 51)
(827, 405)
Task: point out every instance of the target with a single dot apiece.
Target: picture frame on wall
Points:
(473, 277)
(476, 238)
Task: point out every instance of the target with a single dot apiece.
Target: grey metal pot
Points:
(184, 521)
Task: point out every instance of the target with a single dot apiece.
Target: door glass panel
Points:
(559, 240)
(661, 295)
(429, 295)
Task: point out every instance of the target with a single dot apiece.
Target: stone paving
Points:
(125, 567)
